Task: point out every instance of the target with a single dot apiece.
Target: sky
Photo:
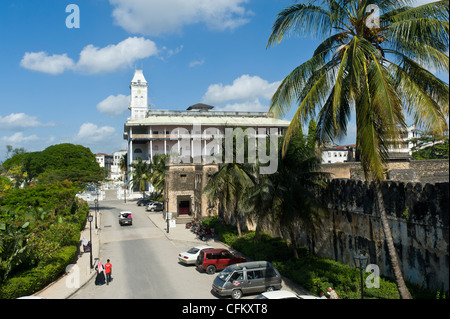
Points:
(66, 70)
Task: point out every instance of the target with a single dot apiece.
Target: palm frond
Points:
(425, 96)
(300, 19)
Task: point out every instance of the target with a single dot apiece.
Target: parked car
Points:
(284, 294)
(125, 218)
(143, 201)
(211, 260)
(190, 256)
(246, 278)
(155, 206)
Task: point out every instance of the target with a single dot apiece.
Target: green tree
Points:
(429, 146)
(228, 184)
(289, 196)
(140, 175)
(58, 163)
(123, 165)
(158, 172)
(373, 64)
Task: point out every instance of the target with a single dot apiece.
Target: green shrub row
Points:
(36, 245)
(37, 278)
(311, 272)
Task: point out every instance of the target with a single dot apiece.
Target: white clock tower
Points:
(139, 100)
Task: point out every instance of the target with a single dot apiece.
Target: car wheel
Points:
(210, 270)
(270, 288)
(236, 294)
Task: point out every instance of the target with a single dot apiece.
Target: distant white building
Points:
(347, 153)
(405, 144)
(338, 154)
(104, 160)
(116, 172)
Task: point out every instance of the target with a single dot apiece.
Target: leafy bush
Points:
(39, 233)
(37, 278)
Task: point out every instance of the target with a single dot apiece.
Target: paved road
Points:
(144, 260)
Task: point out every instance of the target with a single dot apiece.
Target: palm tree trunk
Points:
(401, 286)
(293, 240)
(238, 220)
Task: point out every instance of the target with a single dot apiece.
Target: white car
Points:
(284, 294)
(125, 218)
(190, 256)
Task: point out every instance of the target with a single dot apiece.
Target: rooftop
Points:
(202, 114)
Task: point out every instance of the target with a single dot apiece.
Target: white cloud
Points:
(247, 106)
(93, 59)
(18, 139)
(19, 121)
(112, 57)
(42, 62)
(247, 90)
(246, 93)
(114, 105)
(90, 133)
(169, 16)
(195, 63)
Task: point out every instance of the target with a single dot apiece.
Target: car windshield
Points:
(193, 250)
(224, 274)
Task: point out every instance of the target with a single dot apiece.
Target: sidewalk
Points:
(78, 275)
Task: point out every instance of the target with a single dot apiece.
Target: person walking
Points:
(100, 278)
(108, 271)
(332, 293)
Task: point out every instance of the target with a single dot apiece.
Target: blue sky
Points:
(60, 84)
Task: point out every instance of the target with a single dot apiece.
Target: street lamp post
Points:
(96, 210)
(90, 239)
(361, 263)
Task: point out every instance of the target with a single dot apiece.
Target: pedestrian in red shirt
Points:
(108, 270)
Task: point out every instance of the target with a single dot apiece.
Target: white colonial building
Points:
(194, 136)
(187, 133)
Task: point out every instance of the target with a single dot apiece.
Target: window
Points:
(138, 151)
(254, 274)
(269, 273)
(238, 275)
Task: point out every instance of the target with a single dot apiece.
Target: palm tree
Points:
(140, 174)
(259, 201)
(289, 195)
(298, 181)
(158, 169)
(374, 65)
(228, 184)
(123, 166)
(227, 187)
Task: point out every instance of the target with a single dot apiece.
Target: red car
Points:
(214, 259)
